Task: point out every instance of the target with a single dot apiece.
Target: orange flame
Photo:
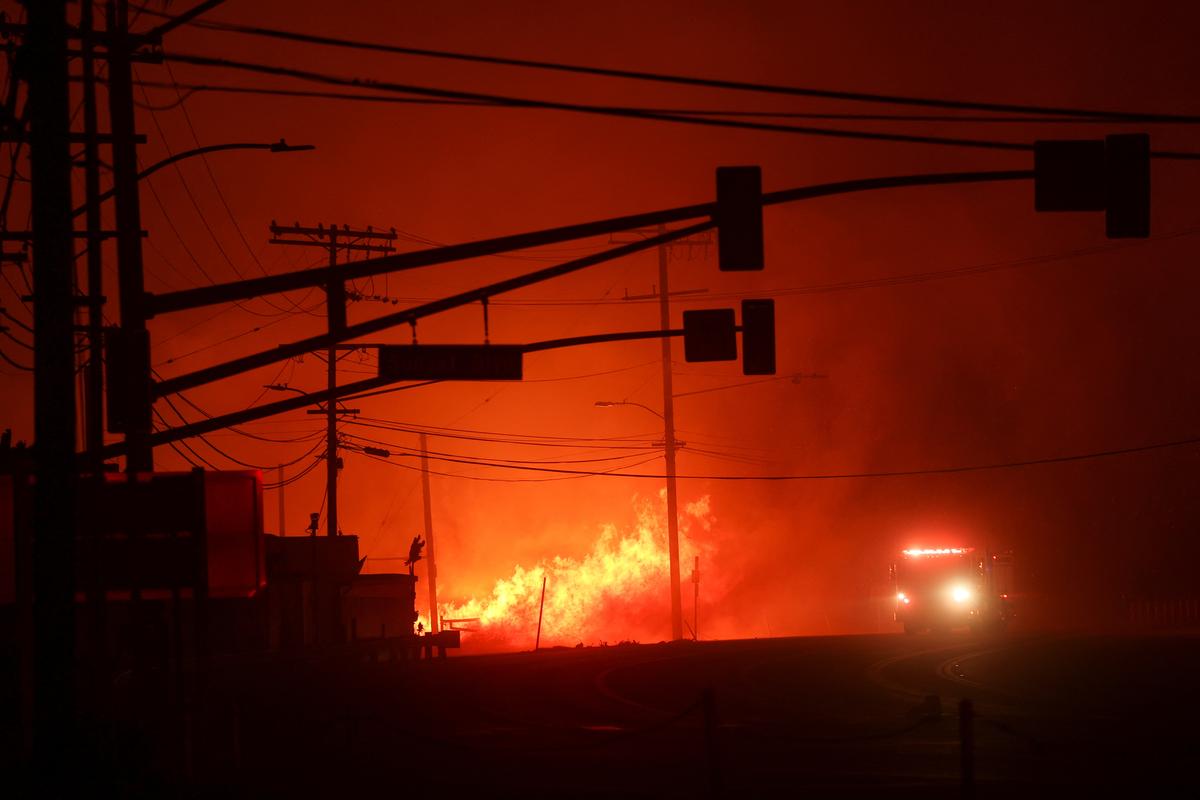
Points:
(618, 591)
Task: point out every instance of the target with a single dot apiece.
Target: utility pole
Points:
(54, 395)
(333, 239)
(664, 315)
(94, 375)
(431, 564)
(282, 507)
(134, 338)
(670, 444)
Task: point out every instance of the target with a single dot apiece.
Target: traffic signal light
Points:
(1068, 175)
(461, 362)
(758, 337)
(739, 218)
(127, 380)
(1112, 176)
(710, 335)
(1127, 186)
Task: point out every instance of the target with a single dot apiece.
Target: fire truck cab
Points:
(944, 588)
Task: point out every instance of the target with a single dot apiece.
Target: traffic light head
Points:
(1068, 175)
(129, 403)
(709, 335)
(1127, 186)
(758, 337)
(739, 218)
(1112, 176)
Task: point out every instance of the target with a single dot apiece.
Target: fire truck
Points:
(943, 588)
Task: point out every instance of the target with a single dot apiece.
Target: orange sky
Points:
(1077, 354)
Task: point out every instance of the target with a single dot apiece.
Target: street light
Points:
(610, 403)
(669, 448)
(274, 147)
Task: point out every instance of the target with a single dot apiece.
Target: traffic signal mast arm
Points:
(225, 421)
(318, 276)
(410, 315)
(254, 287)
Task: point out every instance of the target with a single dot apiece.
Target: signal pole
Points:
(94, 380)
(333, 239)
(134, 336)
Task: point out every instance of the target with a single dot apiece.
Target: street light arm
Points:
(275, 147)
(282, 387)
(610, 403)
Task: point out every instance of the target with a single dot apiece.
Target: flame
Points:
(618, 591)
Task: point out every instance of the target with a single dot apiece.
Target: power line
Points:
(239, 431)
(516, 102)
(226, 455)
(792, 378)
(294, 478)
(9, 334)
(866, 283)
(574, 475)
(233, 337)
(851, 475)
(627, 443)
(191, 256)
(22, 367)
(686, 80)
(196, 204)
(187, 90)
(615, 111)
(296, 304)
(406, 451)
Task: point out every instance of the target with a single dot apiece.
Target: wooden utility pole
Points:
(537, 643)
(54, 491)
(664, 315)
(94, 376)
(133, 343)
(431, 564)
(670, 443)
(334, 240)
(282, 506)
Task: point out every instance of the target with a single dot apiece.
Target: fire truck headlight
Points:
(960, 594)
(903, 598)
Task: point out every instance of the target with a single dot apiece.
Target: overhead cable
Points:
(688, 80)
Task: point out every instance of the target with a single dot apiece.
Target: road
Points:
(852, 716)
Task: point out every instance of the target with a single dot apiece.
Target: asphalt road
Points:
(853, 716)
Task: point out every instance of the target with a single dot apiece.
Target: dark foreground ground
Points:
(853, 716)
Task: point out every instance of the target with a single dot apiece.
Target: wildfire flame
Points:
(618, 591)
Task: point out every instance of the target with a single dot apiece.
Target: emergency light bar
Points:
(938, 551)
